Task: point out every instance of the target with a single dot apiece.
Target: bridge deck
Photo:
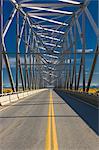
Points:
(26, 124)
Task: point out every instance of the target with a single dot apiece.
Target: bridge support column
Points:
(17, 51)
(83, 48)
(1, 46)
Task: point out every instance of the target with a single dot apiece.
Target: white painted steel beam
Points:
(52, 56)
(23, 25)
(52, 5)
(48, 29)
(51, 44)
(9, 22)
(71, 2)
(47, 9)
(48, 37)
(49, 20)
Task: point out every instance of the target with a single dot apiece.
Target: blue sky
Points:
(10, 39)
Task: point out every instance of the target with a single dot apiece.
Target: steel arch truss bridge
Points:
(51, 44)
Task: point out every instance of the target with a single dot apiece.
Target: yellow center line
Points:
(51, 135)
(48, 133)
(54, 133)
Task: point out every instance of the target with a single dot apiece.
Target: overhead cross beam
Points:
(48, 29)
(48, 20)
(71, 2)
(50, 44)
(47, 9)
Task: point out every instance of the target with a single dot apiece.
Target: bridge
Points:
(49, 75)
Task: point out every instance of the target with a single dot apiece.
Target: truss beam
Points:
(47, 9)
(48, 20)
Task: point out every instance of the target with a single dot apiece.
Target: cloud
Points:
(92, 84)
(96, 73)
(12, 61)
(86, 50)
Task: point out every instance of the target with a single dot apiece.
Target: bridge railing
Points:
(9, 98)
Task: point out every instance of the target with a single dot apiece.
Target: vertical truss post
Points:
(34, 65)
(32, 50)
(17, 50)
(27, 49)
(92, 68)
(70, 68)
(67, 64)
(38, 69)
(8, 68)
(43, 82)
(1, 46)
(80, 34)
(57, 83)
(35, 68)
(79, 75)
(21, 73)
(25, 66)
(75, 54)
(82, 62)
(18, 61)
(67, 74)
(36, 81)
(70, 71)
(25, 58)
(31, 61)
(34, 72)
(74, 65)
(66, 70)
(83, 48)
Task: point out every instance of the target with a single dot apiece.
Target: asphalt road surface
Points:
(44, 122)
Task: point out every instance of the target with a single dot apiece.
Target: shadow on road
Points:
(87, 112)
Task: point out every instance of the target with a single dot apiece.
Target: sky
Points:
(91, 40)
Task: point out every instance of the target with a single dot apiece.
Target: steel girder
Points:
(33, 56)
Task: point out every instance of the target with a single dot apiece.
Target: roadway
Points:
(44, 122)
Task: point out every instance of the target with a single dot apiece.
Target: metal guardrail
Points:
(11, 93)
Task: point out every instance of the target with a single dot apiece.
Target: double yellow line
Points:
(51, 135)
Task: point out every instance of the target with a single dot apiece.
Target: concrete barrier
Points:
(28, 93)
(25, 94)
(5, 100)
(20, 95)
(13, 97)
